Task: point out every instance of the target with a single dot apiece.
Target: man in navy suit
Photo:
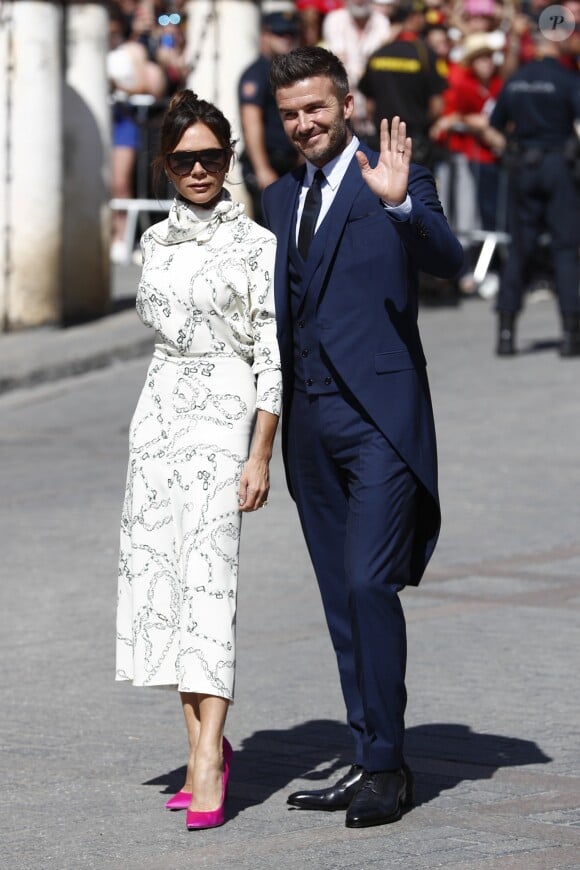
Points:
(358, 431)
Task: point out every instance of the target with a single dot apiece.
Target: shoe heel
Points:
(197, 820)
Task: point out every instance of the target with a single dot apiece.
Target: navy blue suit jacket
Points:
(363, 267)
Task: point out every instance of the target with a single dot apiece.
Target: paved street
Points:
(493, 715)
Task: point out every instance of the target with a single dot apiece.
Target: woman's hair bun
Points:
(183, 98)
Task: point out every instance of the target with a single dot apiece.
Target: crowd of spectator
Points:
(146, 63)
(440, 64)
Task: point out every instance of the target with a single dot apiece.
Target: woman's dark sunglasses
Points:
(212, 160)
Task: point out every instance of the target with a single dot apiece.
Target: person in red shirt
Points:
(468, 101)
(473, 85)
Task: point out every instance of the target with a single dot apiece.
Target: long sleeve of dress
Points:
(266, 364)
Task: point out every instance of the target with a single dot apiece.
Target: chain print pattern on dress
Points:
(216, 361)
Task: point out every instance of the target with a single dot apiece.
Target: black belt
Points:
(541, 149)
(530, 156)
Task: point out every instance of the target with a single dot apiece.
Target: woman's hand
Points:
(254, 484)
(255, 479)
(390, 177)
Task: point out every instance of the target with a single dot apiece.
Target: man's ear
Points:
(348, 107)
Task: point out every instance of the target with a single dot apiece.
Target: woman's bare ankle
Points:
(188, 785)
(207, 784)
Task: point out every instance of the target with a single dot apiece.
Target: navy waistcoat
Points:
(312, 373)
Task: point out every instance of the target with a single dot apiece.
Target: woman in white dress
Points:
(200, 442)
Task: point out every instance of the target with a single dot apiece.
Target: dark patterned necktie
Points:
(310, 214)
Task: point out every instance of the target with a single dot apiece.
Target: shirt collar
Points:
(335, 169)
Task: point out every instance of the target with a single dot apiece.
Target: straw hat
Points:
(476, 44)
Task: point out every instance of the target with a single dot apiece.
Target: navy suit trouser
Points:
(356, 501)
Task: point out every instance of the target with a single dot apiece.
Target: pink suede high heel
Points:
(214, 818)
(182, 799)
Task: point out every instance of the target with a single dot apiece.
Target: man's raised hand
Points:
(390, 177)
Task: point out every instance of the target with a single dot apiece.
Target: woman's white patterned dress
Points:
(207, 290)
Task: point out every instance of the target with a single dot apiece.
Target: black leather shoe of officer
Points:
(380, 800)
(335, 797)
(506, 334)
(570, 345)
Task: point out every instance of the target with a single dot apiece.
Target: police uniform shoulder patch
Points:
(249, 89)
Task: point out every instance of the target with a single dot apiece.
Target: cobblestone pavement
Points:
(493, 716)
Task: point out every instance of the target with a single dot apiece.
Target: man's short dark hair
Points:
(306, 63)
(402, 10)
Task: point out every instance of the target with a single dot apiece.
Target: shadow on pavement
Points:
(540, 346)
(441, 756)
(444, 754)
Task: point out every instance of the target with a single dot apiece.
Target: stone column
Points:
(30, 163)
(86, 131)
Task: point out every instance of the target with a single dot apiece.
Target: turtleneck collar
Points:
(187, 221)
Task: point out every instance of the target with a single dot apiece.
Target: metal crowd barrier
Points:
(457, 191)
(135, 208)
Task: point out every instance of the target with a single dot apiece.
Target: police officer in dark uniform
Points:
(539, 109)
(267, 153)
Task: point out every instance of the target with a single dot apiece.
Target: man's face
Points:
(314, 118)
(359, 8)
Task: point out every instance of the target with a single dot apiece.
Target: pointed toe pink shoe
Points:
(196, 821)
(179, 801)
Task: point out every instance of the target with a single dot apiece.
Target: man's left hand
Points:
(390, 177)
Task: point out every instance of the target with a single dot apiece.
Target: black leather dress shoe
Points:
(335, 797)
(381, 799)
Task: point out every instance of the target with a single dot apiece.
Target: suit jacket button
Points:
(309, 382)
(327, 381)
(305, 353)
(301, 324)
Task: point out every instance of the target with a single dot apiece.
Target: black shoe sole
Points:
(317, 809)
(370, 823)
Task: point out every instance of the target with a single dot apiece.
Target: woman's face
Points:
(199, 184)
(483, 67)
(439, 41)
